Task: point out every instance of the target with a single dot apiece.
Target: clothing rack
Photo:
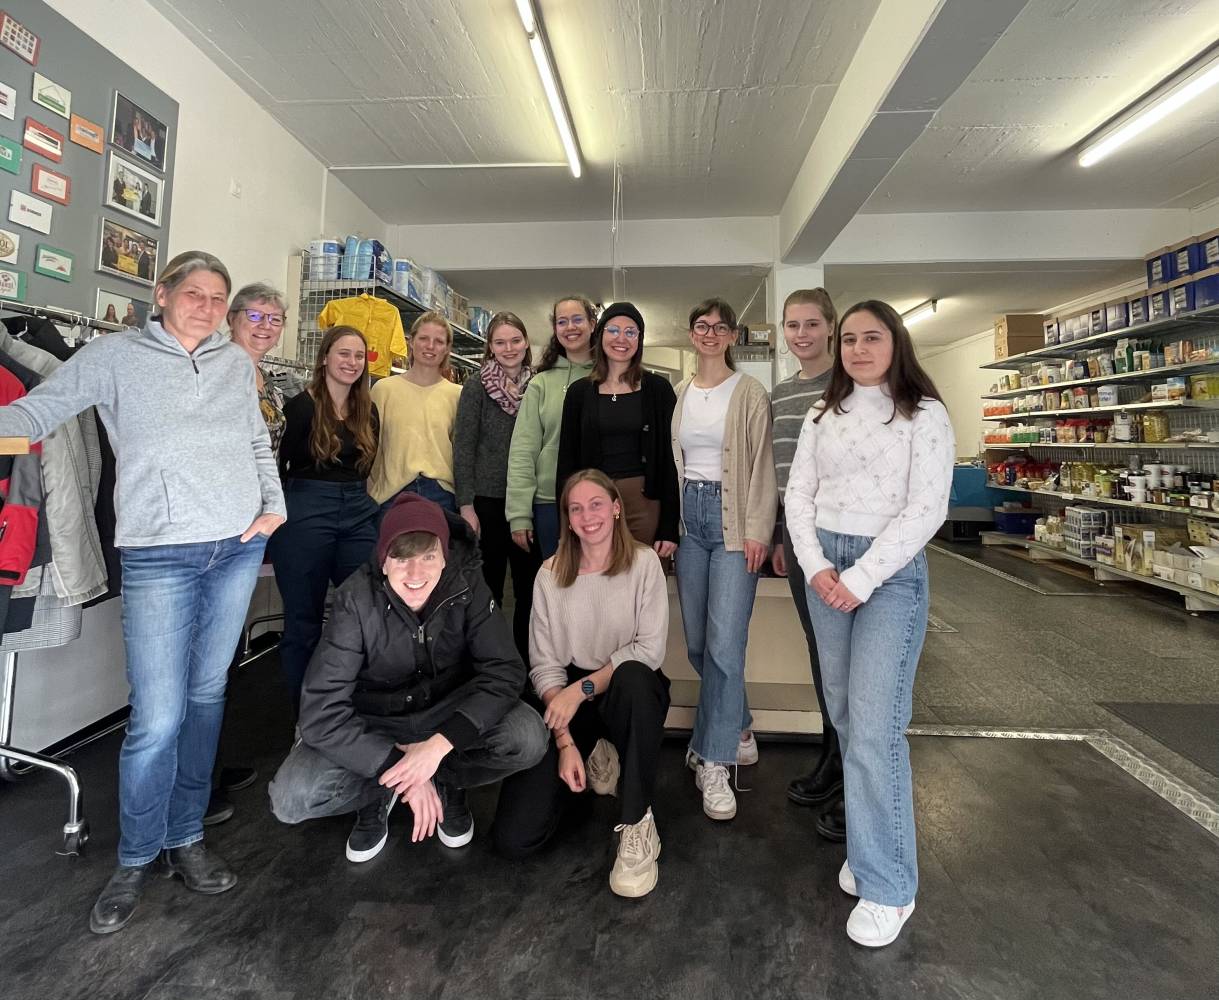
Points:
(57, 315)
(285, 363)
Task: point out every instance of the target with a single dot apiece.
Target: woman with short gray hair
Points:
(256, 321)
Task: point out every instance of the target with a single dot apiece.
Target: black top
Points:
(296, 460)
(582, 443)
(621, 420)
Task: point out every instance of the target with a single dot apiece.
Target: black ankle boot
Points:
(116, 905)
(202, 870)
(832, 824)
(819, 785)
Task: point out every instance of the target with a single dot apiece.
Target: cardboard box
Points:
(1137, 544)
(1017, 333)
(1194, 580)
(761, 335)
(1211, 586)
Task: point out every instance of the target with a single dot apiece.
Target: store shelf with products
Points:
(1150, 375)
(1166, 404)
(1115, 445)
(1195, 600)
(1110, 501)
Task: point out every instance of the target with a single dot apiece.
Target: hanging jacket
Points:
(378, 320)
(381, 666)
(20, 485)
(70, 481)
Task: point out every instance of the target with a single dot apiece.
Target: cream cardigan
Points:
(750, 496)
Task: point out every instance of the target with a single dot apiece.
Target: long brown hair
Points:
(555, 350)
(566, 565)
(505, 318)
(727, 315)
(324, 441)
(907, 382)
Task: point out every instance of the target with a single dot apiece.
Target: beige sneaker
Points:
(603, 769)
(635, 870)
(747, 751)
(718, 800)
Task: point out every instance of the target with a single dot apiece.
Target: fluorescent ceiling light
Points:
(550, 84)
(1152, 109)
(920, 312)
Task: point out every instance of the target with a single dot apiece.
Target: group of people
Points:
(583, 476)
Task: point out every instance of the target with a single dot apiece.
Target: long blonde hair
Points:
(566, 565)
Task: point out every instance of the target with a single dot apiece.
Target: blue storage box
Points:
(1159, 304)
(1138, 309)
(1208, 250)
(1181, 296)
(1117, 315)
(1159, 267)
(1016, 522)
(1206, 289)
(1186, 258)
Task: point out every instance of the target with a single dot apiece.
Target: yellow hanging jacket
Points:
(380, 322)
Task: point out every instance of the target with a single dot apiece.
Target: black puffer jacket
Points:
(384, 674)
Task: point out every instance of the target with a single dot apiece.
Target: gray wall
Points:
(73, 60)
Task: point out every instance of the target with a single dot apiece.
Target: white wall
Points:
(287, 194)
(954, 370)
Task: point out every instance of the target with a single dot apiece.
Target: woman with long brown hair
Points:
(486, 415)
(328, 447)
(597, 640)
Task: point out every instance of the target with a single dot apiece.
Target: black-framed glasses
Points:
(702, 328)
(256, 316)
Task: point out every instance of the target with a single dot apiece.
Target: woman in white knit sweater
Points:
(597, 639)
(868, 489)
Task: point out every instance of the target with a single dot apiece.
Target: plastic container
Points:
(1182, 296)
(1139, 310)
(1159, 267)
(1186, 257)
(350, 251)
(323, 260)
(1012, 522)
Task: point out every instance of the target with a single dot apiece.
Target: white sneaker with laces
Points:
(692, 759)
(846, 880)
(875, 925)
(747, 751)
(603, 769)
(718, 800)
(635, 870)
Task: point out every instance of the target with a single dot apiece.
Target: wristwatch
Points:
(588, 688)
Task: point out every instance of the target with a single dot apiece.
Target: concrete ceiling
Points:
(970, 294)
(664, 295)
(709, 108)
(1007, 139)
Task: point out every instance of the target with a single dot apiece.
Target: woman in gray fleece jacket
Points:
(197, 496)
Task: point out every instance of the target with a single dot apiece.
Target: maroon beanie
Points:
(411, 512)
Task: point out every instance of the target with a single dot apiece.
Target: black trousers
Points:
(500, 553)
(831, 755)
(631, 715)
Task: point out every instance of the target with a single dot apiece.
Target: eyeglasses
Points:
(563, 322)
(630, 332)
(273, 320)
(702, 328)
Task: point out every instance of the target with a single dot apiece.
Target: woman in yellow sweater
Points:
(418, 409)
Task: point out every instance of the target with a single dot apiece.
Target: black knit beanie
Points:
(618, 309)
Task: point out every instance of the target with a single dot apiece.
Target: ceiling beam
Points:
(913, 56)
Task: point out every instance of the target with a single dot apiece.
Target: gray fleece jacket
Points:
(193, 454)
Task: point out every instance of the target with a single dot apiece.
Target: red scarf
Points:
(503, 390)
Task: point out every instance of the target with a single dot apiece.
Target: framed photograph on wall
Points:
(127, 254)
(53, 262)
(132, 189)
(137, 132)
(119, 307)
(44, 140)
(52, 96)
(50, 184)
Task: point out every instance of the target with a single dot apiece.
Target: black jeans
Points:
(501, 553)
(631, 714)
(331, 530)
(308, 785)
(830, 753)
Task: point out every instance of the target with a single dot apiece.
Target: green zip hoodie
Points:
(534, 452)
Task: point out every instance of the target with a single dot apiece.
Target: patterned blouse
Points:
(271, 402)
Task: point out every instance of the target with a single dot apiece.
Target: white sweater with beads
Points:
(860, 473)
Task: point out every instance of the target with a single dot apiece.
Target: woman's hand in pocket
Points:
(264, 524)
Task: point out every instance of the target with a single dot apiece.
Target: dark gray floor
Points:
(1189, 729)
(1046, 870)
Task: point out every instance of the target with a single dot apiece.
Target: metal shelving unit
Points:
(1110, 501)
(1167, 404)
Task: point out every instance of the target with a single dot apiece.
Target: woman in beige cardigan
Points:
(722, 447)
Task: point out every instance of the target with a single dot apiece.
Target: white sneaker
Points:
(718, 800)
(603, 769)
(747, 751)
(692, 759)
(875, 925)
(635, 870)
(846, 880)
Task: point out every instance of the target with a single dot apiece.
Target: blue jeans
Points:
(716, 594)
(183, 610)
(430, 489)
(546, 528)
(868, 658)
(331, 530)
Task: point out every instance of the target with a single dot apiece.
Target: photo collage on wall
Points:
(41, 123)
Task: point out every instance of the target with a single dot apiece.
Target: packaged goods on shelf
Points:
(1105, 549)
(1139, 310)
(1206, 288)
(322, 260)
(408, 279)
(1117, 314)
(1137, 543)
(480, 318)
(1017, 333)
(1015, 519)
(1186, 258)
(1049, 329)
(1208, 249)
(1159, 267)
(1181, 296)
(1159, 303)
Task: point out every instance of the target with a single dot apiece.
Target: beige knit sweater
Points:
(750, 495)
(599, 619)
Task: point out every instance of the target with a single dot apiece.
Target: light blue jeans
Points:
(183, 610)
(868, 658)
(716, 593)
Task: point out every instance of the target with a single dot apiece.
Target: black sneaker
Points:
(832, 824)
(371, 831)
(457, 827)
(220, 808)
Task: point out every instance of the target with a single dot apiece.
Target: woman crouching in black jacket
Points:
(412, 693)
